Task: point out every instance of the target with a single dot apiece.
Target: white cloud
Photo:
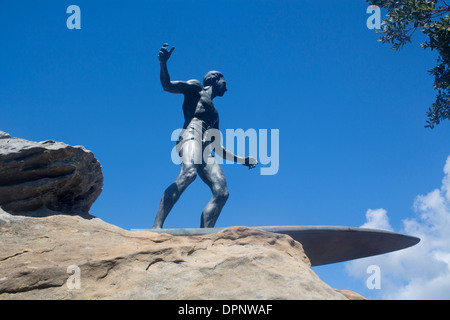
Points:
(377, 219)
(422, 271)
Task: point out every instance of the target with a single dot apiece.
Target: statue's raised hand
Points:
(164, 54)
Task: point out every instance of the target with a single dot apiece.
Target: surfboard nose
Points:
(338, 244)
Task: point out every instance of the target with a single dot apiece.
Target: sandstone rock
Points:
(351, 295)
(235, 263)
(49, 175)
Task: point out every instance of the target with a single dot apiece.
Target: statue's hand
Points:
(164, 54)
(250, 162)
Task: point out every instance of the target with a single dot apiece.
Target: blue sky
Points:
(350, 111)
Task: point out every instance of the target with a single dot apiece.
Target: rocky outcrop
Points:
(52, 248)
(47, 174)
(70, 257)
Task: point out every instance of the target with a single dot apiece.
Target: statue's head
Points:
(216, 80)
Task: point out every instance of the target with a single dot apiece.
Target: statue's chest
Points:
(205, 109)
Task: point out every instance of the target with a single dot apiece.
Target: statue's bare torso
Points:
(198, 105)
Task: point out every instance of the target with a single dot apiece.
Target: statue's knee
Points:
(222, 195)
(189, 175)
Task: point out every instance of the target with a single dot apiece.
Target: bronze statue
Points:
(200, 115)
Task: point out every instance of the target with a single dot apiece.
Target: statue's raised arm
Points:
(172, 86)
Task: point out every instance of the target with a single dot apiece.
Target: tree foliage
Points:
(404, 17)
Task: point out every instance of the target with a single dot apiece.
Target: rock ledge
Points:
(39, 256)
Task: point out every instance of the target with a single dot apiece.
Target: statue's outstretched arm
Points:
(226, 154)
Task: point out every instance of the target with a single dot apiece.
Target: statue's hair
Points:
(211, 77)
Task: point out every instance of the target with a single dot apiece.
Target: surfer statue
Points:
(200, 115)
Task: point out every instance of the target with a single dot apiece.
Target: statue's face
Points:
(220, 87)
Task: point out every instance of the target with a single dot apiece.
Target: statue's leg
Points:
(187, 175)
(213, 176)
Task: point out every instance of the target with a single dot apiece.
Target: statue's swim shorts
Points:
(194, 131)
